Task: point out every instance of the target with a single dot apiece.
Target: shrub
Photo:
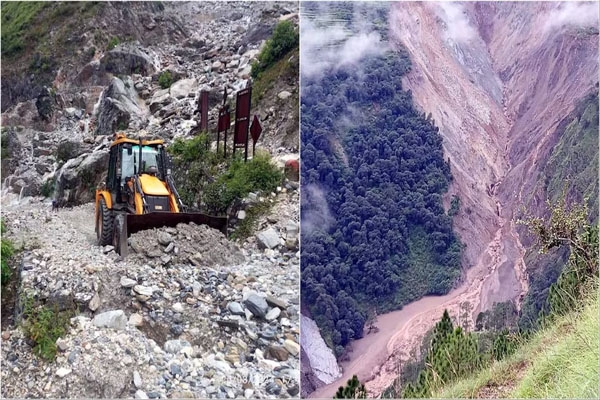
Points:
(6, 252)
(165, 79)
(285, 38)
(114, 42)
(44, 325)
(47, 189)
(258, 174)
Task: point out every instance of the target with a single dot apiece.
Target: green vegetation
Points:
(48, 187)
(7, 251)
(165, 79)
(66, 151)
(44, 325)
(575, 158)
(353, 390)
(247, 226)
(375, 165)
(207, 178)
(285, 38)
(572, 166)
(454, 206)
(112, 43)
(453, 354)
(258, 174)
(17, 19)
(284, 69)
(26, 26)
(5, 153)
(560, 361)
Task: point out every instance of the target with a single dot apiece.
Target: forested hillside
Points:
(374, 230)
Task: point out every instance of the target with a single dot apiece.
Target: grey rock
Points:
(137, 379)
(182, 88)
(175, 370)
(257, 305)
(273, 314)
(127, 283)
(284, 94)
(175, 346)
(235, 308)
(94, 302)
(273, 388)
(143, 290)
(164, 238)
(140, 394)
(111, 319)
(268, 238)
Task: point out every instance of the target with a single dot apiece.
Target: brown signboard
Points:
(224, 120)
(255, 129)
(242, 118)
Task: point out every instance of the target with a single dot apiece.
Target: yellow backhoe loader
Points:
(139, 194)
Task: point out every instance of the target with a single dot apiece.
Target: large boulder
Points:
(127, 59)
(160, 99)
(183, 88)
(77, 179)
(119, 108)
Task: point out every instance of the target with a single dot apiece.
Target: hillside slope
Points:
(560, 361)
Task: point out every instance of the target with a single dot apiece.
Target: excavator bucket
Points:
(129, 224)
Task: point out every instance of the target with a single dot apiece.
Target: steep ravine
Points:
(498, 80)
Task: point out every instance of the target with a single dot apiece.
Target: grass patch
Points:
(44, 325)
(7, 251)
(285, 38)
(560, 361)
(285, 68)
(27, 25)
(247, 226)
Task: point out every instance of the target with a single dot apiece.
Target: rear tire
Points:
(105, 225)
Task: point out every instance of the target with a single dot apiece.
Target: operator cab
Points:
(124, 164)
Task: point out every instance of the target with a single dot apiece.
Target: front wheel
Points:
(104, 224)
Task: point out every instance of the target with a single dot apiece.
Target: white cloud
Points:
(579, 14)
(327, 43)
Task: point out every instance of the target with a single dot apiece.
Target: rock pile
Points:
(193, 244)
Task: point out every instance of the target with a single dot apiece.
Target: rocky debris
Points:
(198, 245)
(45, 104)
(256, 305)
(178, 291)
(192, 336)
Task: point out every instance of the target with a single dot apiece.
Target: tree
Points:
(353, 390)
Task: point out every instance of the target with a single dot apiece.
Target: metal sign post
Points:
(223, 126)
